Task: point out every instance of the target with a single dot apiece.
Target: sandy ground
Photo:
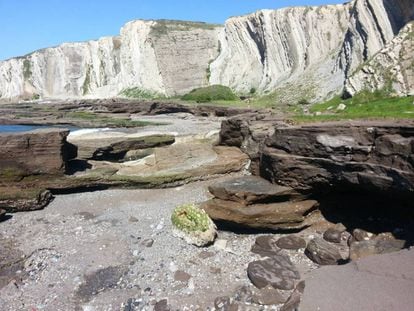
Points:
(114, 250)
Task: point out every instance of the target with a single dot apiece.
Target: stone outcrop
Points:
(294, 51)
(370, 156)
(39, 152)
(392, 68)
(240, 202)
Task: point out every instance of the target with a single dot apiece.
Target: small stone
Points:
(362, 235)
(162, 305)
(132, 219)
(291, 242)
(182, 276)
(268, 296)
(341, 107)
(322, 252)
(147, 242)
(222, 303)
(332, 235)
(215, 270)
(265, 246)
(206, 254)
(363, 249)
(277, 271)
(220, 244)
(243, 294)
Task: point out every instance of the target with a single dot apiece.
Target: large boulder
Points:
(38, 152)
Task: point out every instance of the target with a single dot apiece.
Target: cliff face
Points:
(391, 68)
(163, 57)
(310, 50)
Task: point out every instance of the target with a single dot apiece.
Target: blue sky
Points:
(28, 25)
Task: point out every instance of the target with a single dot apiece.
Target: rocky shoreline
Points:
(283, 198)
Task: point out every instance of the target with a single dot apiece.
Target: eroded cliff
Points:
(305, 52)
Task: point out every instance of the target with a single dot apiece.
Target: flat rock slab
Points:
(286, 215)
(251, 189)
(276, 271)
(382, 282)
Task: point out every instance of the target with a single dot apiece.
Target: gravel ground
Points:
(113, 250)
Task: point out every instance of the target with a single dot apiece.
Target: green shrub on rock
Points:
(193, 225)
(210, 93)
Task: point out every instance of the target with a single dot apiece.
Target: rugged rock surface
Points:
(117, 148)
(371, 156)
(250, 201)
(384, 282)
(275, 216)
(391, 68)
(34, 153)
(251, 189)
(295, 51)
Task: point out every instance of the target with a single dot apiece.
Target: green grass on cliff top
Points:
(365, 105)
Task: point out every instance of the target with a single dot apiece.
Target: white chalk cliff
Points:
(308, 51)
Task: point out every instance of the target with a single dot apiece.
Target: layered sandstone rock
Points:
(39, 152)
(370, 156)
(255, 203)
(294, 51)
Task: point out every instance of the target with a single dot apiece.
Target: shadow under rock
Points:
(374, 213)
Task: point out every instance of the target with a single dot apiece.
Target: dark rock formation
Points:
(248, 132)
(367, 156)
(34, 153)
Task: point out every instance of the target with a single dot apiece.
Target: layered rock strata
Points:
(255, 203)
(392, 68)
(370, 156)
(294, 51)
(40, 152)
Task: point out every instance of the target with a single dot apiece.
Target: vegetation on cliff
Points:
(210, 93)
